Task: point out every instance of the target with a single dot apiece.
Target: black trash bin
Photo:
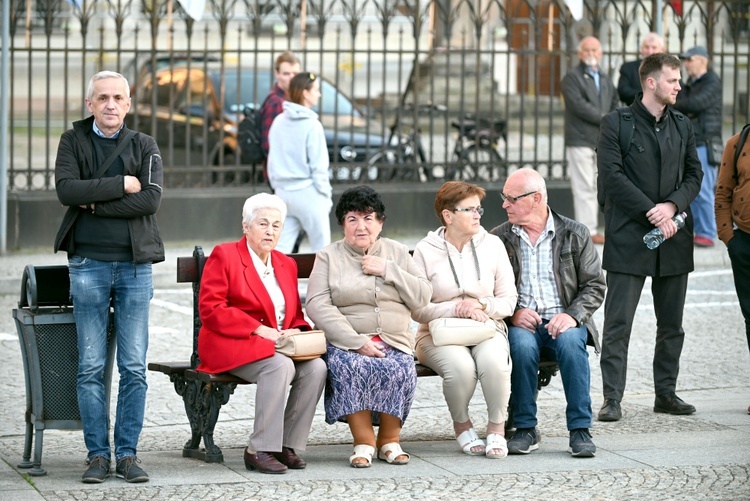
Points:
(47, 334)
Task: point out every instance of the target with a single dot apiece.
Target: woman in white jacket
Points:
(471, 277)
(298, 166)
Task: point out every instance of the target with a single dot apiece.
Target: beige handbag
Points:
(304, 345)
(461, 331)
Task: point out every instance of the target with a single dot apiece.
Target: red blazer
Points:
(233, 303)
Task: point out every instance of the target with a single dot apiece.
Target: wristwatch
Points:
(483, 301)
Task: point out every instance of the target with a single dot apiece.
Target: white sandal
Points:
(496, 442)
(469, 439)
(391, 452)
(362, 451)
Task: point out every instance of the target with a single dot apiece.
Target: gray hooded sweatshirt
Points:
(298, 154)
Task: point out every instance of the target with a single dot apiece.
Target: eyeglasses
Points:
(513, 200)
(478, 210)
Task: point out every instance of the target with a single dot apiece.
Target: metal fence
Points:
(419, 91)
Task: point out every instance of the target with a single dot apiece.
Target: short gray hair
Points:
(533, 181)
(101, 76)
(653, 37)
(259, 202)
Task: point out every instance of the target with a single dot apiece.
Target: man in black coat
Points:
(629, 83)
(700, 99)
(658, 178)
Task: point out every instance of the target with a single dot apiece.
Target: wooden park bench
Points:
(203, 394)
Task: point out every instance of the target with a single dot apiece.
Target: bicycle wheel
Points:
(382, 166)
(480, 163)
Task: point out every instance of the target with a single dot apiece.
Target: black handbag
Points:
(714, 151)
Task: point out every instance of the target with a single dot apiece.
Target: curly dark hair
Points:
(361, 199)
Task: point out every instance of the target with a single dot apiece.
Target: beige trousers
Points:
(461, 367)
(280, 420)
(583, 172)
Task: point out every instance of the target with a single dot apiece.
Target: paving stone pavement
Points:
(643, 456)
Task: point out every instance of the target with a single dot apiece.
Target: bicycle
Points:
(475, 151)
(405, 154)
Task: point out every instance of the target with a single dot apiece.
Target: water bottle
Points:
(655, 237)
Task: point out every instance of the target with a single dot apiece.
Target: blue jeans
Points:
(703, 205)
(92, 285)
(569, 349)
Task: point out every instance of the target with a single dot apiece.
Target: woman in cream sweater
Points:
(472, 278)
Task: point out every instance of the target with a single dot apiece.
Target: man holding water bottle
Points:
(643, 189)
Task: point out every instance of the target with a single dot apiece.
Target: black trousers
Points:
(739, 253)
(623, 294)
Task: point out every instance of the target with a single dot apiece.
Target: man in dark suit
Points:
(629, 83)
(589, 95)
(656, 179)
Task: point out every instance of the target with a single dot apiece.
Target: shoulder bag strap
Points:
(99, 173)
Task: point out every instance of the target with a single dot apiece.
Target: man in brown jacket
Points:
(733, 219)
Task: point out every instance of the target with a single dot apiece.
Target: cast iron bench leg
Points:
(213, 395)
(203, 403)
(188, 390)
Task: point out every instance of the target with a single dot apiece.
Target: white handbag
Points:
(461, 331)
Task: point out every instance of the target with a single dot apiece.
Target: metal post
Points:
(659, 27)
(4, 103)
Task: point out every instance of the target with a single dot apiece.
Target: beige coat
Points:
(351, 307)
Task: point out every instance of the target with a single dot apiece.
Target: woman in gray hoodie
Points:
(298, 166)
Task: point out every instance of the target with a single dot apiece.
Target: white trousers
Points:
(307, 209)
(582, 168)
(462, 366)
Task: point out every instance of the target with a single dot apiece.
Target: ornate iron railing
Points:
(498, 60)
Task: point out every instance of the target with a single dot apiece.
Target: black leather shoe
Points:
(610, 411)
(289, 458)
(264, 462)
(672, 404)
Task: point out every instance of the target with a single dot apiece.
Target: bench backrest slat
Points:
(187, 267)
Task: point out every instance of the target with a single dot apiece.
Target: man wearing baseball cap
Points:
(700, 100)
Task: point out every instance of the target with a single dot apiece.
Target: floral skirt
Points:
(357, 382)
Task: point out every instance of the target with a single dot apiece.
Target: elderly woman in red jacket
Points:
(249, 298)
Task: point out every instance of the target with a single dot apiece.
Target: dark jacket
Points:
(629, 83)
(701, 101)
(580, 280)
(584, 106)
(646, 176)
(74, 168)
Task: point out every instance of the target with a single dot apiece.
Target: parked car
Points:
(193, 111)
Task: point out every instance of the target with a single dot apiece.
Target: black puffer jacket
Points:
(74, 168)
(701, 101)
